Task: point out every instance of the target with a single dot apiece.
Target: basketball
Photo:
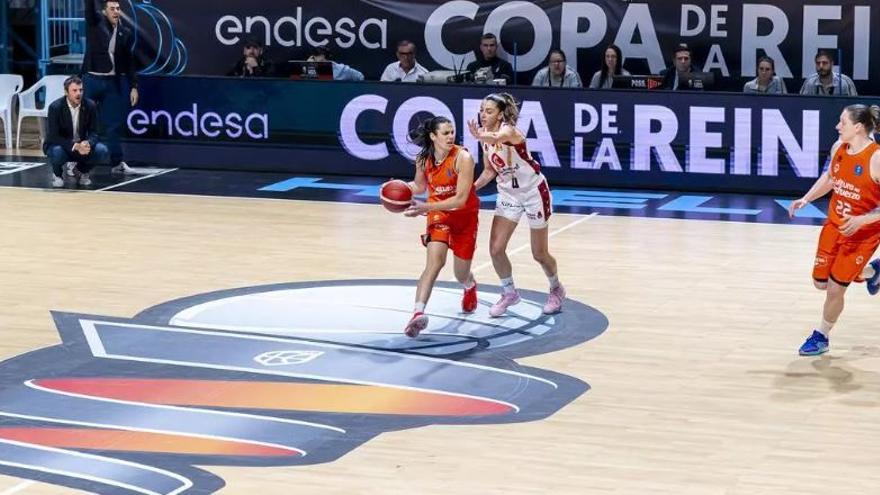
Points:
(395, 195)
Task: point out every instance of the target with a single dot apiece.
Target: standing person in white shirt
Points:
(406, 69)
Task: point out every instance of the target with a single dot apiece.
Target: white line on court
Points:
(22, 168)
(17, 488)
(114, 186)
(487, 264)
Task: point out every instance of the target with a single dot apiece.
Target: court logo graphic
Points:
(280, 358)
(280, 375)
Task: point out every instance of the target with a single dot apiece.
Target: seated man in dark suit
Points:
(675, 78)
(72, 135)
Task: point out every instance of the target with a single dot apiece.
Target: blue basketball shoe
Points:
(873, 283)
(814, 345)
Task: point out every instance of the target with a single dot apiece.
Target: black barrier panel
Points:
(680, 140)
(206, 38)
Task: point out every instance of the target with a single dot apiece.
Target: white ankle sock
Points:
(825, 327)
(420, 307)
(554, 281)
(507, 284)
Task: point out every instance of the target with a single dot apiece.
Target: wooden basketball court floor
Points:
(695, 385)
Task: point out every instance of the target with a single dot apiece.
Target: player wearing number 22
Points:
(522, 189)
(852, 232)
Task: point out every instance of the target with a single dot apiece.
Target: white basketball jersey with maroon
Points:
(517, 170)
(522, 188)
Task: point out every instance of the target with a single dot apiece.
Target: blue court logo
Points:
(281, 375)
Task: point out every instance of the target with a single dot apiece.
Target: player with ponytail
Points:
(446, 171)
(522, 189)
(851, 234)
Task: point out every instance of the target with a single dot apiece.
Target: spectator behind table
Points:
(407, 68)
(674, 78)
(501, 69)
(767, 81)
(341, 72)
(612, 66)
(252, 62)
(827, 82)
(109, 75)
(557, 73)
(71, 135)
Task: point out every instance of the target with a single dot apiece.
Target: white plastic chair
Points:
(10, 85)
(27, 100)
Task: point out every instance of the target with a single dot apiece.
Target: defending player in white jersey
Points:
(522, 188)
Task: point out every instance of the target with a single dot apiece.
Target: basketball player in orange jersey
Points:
(852, 232)
(447, 172)
(522, 189)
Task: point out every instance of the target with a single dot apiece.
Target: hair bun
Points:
(875, 114)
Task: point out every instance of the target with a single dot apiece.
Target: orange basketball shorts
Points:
(840, 258)
(457, 229)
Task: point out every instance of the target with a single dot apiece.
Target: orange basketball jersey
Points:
(443, 180)
(855, 192)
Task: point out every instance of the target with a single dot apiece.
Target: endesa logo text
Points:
(195, 122)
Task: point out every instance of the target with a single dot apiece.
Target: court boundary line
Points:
(22, 169)
(19, 487)
(314, 201)
(487, 264)
(136, 179)
(490, 208)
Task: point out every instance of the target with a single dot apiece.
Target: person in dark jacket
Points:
(109, 74)
(675, 78)
(501, 69)
(252, 62)
(72, 138)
